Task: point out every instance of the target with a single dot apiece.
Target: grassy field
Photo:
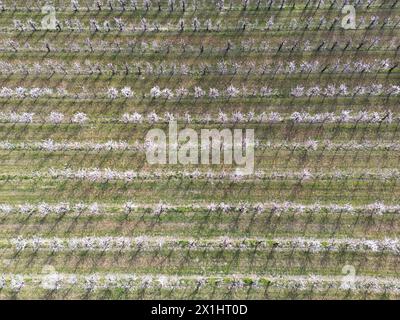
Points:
(142, 238)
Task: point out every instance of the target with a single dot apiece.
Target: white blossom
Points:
(79, 118)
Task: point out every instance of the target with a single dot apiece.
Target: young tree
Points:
(79, 118)
(56, 117)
